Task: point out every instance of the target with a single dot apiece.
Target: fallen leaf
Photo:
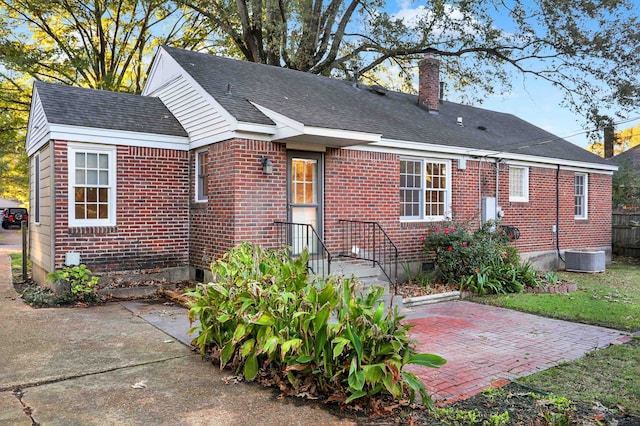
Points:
(139, 385)
(169, 341)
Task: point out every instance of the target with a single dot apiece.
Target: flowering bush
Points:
(459, 253)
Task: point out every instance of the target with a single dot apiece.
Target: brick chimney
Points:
(429, 83)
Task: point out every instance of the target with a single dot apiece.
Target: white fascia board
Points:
(403, 147)
(116, 137)
(225, 114)
(287, 127)
(342, 134)
(264, 129)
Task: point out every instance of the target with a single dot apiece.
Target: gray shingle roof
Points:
(106, 110)
(631, 156)
(330, 103)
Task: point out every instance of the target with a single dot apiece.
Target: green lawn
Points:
(609, 376)
(609, 299)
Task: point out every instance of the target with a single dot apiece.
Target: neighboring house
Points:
(632, 156)
(216, 150)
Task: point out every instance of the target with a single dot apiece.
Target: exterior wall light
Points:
(267, 166)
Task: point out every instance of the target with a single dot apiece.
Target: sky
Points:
(531, 99)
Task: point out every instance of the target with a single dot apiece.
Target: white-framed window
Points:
(92, 185)
(35, 211)
(201, 175)
(581, 191)
(518, 184)
(425, 189)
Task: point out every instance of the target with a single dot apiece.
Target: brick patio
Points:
(486, 344)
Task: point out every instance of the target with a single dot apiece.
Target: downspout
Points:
(498, 161)
(558, 213)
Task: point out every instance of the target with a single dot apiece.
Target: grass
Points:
(609, 299)
(610, 376)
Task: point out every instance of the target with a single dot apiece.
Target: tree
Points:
(624, 140)
(626, 186)
(588, 49)
(102, 44)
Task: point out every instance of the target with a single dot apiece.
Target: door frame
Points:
(319, 157)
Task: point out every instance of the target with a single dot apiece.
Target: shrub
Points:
(266, 317)
(78, 283)
(459, 253)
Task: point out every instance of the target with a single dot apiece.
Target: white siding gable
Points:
(38, 127)
(203, 122)
(204, 119)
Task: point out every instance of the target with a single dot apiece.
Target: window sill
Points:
(77, 231)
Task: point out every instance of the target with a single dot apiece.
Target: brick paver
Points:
(486, 345)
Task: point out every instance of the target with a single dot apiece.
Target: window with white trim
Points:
(35, 210)
(92, 192)
(201, 175)
(518, 184)
(425, 189)
(581, 191)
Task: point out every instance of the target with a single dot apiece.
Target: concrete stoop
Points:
(367, 275)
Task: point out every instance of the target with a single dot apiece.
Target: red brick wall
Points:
(242, 203)
(160, 225)
(152, 220)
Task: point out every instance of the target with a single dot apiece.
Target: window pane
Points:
(80, 177)
(80, 160)
(80, 211)
(79, 195)
(103, 195)
(92, 195)
(104, 178)
(104, 161)
(92, 161)
(92, 177)
(92, 211)
(103, 211)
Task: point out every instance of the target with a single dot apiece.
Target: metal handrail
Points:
(297, 237)
(367, 240)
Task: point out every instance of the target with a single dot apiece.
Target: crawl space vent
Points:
(584, 261)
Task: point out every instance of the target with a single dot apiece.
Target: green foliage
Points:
(626, 186)
(501, 278)
(555, 410)
(80, 281)
(265, 316)
(459, 252)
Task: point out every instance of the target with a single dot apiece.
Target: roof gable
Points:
(631, 156)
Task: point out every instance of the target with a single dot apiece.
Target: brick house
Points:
(216, 151)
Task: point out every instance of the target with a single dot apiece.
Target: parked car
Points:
(14, 216)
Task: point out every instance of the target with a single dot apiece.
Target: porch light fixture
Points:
(267, 166)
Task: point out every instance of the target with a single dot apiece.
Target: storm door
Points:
(304, 197)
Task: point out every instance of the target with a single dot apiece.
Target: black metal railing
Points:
(368, 241)
(300, 236)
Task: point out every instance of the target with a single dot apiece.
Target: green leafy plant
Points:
(551, 278)
(81, 282)
(555, 410)
(267, 318)
(459, 252)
